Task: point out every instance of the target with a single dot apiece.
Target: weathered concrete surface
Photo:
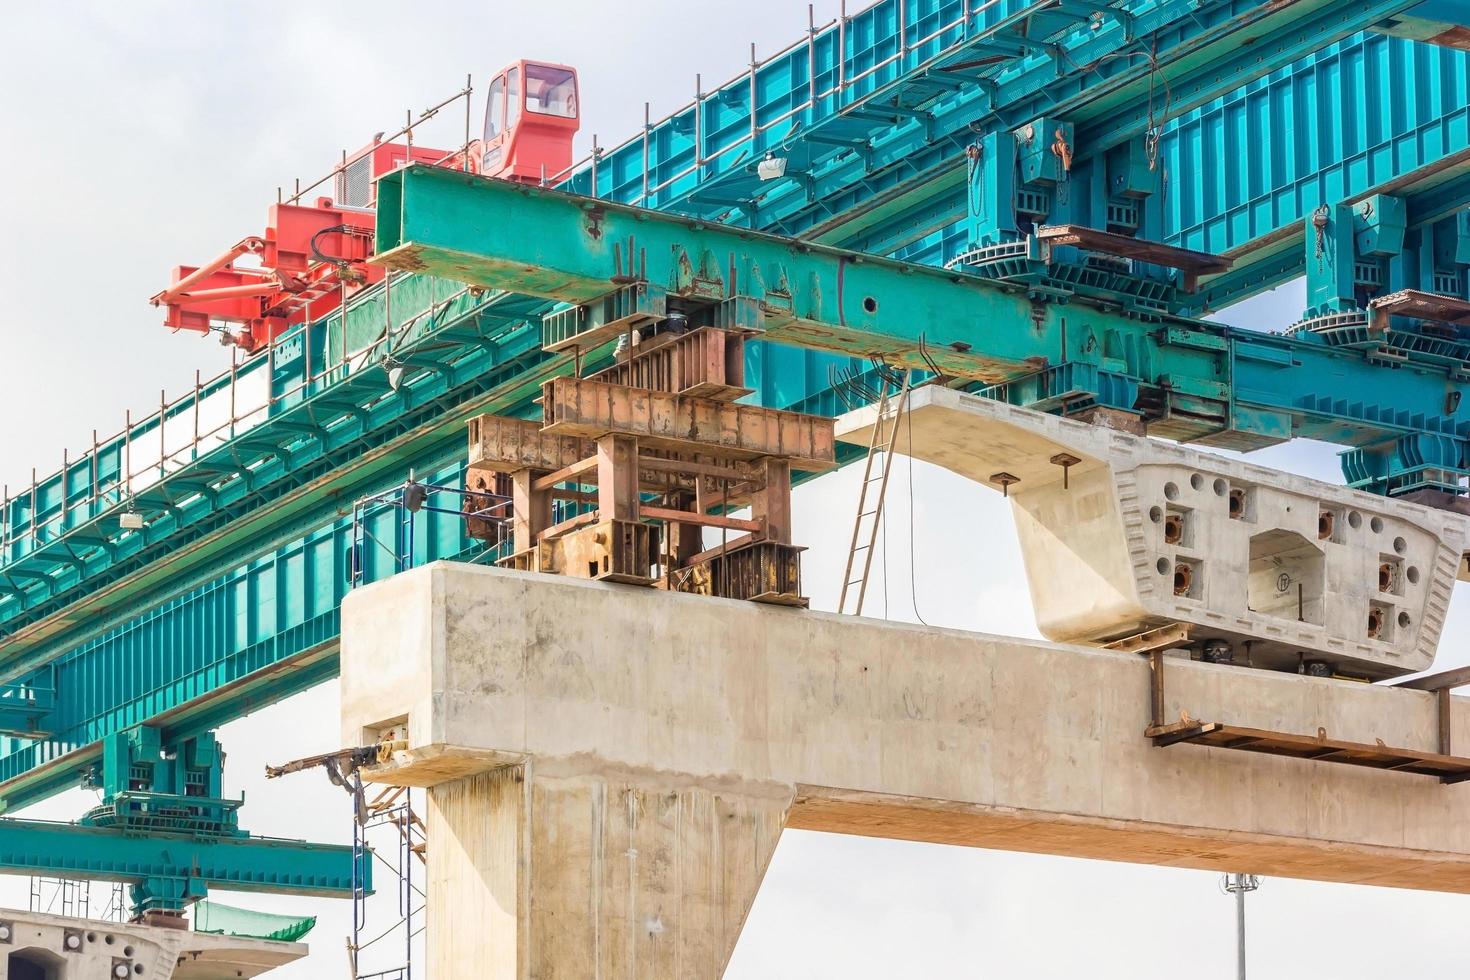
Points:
(573, 868)
(661, 737)
(1138, 532)
(71, 948)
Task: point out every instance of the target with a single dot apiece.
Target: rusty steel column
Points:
(685, 540)
(772, 504)
(532, 509)
(617, 477)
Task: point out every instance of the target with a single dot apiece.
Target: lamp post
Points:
(1238, 885)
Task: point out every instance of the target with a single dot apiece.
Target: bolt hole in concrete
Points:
(1412, 575)
(1355, 520)
(870, 305)
(1376, 622)
(1163, 566)
(1197, 481)
(1377, 525)
(1404, 620)
(1171, 491)
(1156, 514)
(1286, 576)
(1400, 546)
(1221, 488)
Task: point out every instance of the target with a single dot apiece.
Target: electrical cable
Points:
(913, 574)
(321, 256)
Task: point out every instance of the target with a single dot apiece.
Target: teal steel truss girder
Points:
(1370, 115)
(864, 94)
(1119, 87)
(305, 455)
(1244, 173)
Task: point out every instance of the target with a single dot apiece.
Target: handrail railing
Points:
(179, 432)
(407, 131)
(750, 77)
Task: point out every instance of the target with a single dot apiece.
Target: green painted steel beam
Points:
(1191, 380)
(184, 865)
(561, 247)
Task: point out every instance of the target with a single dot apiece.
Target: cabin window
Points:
(551, 91)
(512, 97)
(495, 108)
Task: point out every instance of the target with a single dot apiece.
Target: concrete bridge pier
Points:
(610, 767)
(567, 869)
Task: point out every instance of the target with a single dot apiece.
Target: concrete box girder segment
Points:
(66, 947)
(1136, 533)
(579, 740)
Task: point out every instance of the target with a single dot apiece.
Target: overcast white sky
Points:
(146, 134)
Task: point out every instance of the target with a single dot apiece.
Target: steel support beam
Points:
(1193, 380)
(177, 869)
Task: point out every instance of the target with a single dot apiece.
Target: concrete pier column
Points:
(568, 870)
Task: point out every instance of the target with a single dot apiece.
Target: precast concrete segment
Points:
(1121, 533)
(64, 947)
(634, 718)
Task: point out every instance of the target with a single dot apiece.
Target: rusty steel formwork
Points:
(505, 445)
(612, 551)
(704, 363)
(591, 409)
(761, 571)
(642, 472)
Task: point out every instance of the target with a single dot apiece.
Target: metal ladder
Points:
(880, 455)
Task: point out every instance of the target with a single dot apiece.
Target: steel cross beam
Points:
(168, 870)
(1190, 379)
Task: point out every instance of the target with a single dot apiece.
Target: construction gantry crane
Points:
(1036, 200)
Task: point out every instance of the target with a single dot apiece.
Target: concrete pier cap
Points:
(610, 767)
(1121, 533)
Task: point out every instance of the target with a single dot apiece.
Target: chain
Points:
(1319, 225)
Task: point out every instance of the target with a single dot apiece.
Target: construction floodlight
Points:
(394, 370)
(771, 168)
(130, 520)
(414, 497)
